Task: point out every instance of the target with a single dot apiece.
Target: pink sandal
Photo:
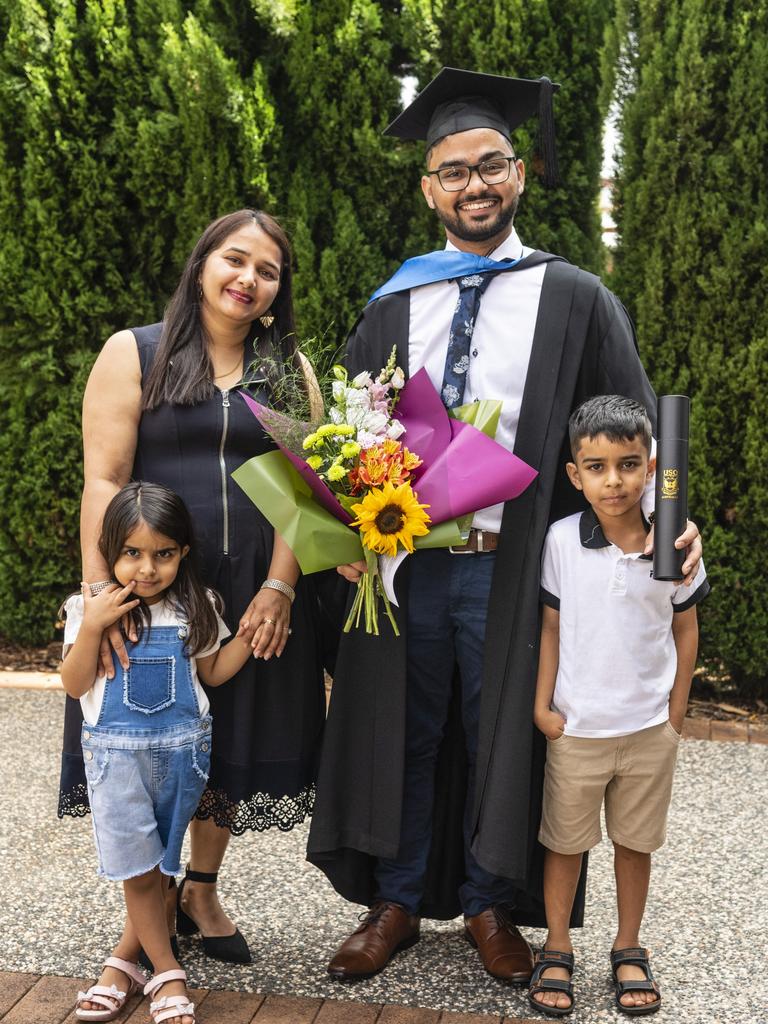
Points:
(168, 1006)
(109, 996)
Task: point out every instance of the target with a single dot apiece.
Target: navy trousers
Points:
(447, 610)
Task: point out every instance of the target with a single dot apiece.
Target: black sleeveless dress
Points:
(268, 720)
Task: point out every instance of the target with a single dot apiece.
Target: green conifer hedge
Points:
(348, 196)
(693, 267)
(124, 129)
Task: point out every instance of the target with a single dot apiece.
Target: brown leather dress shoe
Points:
(503, 950)
(385, 929)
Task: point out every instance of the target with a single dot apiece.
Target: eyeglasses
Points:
(492, 172)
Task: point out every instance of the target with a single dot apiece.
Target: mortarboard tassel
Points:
(546, 142)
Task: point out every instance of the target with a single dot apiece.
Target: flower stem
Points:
(366, 602)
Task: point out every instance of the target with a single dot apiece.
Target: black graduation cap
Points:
(457, 100)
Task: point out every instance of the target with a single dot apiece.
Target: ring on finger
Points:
(270, 621)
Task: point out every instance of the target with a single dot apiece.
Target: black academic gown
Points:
(584, 344)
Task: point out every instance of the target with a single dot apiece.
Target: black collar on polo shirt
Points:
(591, 532)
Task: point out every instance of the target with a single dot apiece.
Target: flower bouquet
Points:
(348, 488)
(358, 455)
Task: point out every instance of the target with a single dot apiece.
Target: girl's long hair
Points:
(181, 373)
(164, 512)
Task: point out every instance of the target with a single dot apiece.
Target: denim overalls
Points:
(147, 758)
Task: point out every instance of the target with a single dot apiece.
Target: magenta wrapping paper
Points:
(462, 469)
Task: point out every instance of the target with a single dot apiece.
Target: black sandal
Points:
(544, 959)
(232, 949)
(636, 957)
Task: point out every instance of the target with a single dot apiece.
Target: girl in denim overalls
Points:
(147, 732)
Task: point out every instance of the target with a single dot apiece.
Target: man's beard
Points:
(479, 232)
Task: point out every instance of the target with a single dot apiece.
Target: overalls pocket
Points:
(149, 683)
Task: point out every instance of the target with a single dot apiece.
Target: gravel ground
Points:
(706, 924)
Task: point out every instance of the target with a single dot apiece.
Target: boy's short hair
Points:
(617, 417)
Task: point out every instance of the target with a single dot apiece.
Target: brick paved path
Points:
(31, 999)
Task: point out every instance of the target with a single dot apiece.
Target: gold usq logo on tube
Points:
(670, 484)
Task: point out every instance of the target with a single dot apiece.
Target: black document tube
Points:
(671, 486)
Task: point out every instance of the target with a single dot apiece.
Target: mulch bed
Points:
(734, 710)
(14, 658)
(715, 698)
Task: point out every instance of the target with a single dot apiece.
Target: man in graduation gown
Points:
(429, 792)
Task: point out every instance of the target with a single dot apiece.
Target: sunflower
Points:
(389, 515)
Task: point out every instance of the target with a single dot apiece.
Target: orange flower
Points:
(389, 446)
(410, 461)
(374, 467)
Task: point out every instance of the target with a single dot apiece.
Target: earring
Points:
(268, 319)
(199, 291)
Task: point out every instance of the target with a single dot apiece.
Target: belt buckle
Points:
(464, 550)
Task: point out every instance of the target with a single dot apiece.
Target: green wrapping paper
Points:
(482, 415)
(317, 539)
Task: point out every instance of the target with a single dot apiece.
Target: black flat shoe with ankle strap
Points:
(232, 949)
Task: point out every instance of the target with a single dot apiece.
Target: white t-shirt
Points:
(617, 653)
(162, 614)
(500, 349)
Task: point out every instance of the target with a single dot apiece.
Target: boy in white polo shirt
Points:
(618, 650)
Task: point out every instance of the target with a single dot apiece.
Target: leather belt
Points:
(478, 542)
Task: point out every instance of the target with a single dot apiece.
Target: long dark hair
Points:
(164, 512)
(181, 373)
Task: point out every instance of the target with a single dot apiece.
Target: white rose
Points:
(356, 415)
(375, 422)
(358, 399)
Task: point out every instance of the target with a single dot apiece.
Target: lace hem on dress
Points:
(258, 813)
(73, 802)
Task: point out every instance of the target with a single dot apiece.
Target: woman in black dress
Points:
(163, 404)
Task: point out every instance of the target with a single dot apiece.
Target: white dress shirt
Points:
(500, 348)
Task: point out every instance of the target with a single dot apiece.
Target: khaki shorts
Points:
(632, 773)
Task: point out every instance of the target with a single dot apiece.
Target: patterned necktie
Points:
(462, 326)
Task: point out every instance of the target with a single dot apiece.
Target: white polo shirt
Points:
(617, 653)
